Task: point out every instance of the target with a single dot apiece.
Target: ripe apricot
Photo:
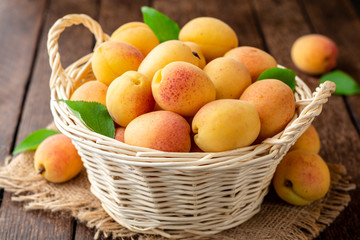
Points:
(229, 76)
(129, 96)
(255, 59)
(309, 140)
(92, 91)
(225, 124)
(314, 53)
(165, 53)
(214, 36)
(57, 159)
(275, 103)
(160, 130)
(137, 34)
(183, 88)
(111, 59)
(301, 177)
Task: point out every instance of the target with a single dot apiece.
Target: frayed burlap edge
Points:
(276, 220)
(73, 197)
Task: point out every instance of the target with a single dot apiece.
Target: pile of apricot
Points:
(198, 92)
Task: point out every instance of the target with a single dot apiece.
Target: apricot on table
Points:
(57, 159)
(183, 88)
(160, 130)
(91, 91)
(301, 177)
(129, 96)
(314, 53)
(225, 124)
(111, 59)
(255, 59)
(275, 102)
(229, 76)
(137, 34)
(165, 53)
(309, 140)
(214, 36)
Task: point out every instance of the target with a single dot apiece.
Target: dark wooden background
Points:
(272, 25)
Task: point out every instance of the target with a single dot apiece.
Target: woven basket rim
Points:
(144, 155)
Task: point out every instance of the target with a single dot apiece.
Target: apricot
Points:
(229, 76)
(57, 159)
(314, 53)
(275, 103)
(111, 59)
(137, 34)
(309, 140)
(214, 36)
(129, 96)
(119, 134)
(165, 53)
(198, 53)
(225, 124)
(92, 91)
(183, 88)
(301, 177)
(255, 59)
(161, 130)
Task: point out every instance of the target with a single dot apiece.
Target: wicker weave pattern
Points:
(172, 194)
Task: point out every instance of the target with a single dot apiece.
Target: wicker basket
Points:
(172, 194)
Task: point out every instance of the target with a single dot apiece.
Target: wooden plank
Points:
(339, 139)
(238, 15)
(20, 23)
(115, 13)
(83, 232)
(340, 25)
(40, 224)
(19, 20)
(36, 112)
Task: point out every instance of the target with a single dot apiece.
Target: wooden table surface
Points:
(272, 25)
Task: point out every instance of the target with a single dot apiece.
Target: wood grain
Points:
(113, 14)
(238, 15)
(340, 25)
(36, 114)
(17, 55)
(19, 20)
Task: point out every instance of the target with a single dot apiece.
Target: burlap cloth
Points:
(276, 220)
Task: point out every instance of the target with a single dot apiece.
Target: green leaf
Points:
(285, 75)
(345, 84)
(164, 28)
(32, 141)
(94, 115)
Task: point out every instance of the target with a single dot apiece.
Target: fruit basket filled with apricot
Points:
(197, 126)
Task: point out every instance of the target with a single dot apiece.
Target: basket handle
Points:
(58, 73)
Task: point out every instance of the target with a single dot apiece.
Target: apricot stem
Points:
(41, 170)
(288, 183)
(196, 55)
